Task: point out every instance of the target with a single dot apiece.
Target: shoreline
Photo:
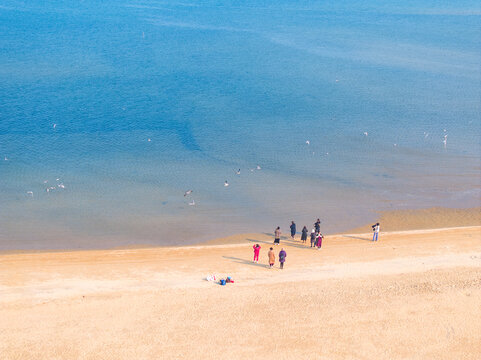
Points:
(391, 221)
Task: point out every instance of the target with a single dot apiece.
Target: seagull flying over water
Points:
(188, 192)
(226, 183)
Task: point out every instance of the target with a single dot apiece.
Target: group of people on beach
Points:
(316, 241)
(271, 255)
(316, 235)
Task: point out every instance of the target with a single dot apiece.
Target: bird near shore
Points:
(365, 133)
(30, 193)
(226, 183)
(192, 203)
(237, 172)
(188, 192)
(308, 142)
(258, 167)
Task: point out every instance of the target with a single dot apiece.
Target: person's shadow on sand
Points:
(357, 237)
(243, 261)
(285, 241)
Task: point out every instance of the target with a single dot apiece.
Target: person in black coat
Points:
(304, 234)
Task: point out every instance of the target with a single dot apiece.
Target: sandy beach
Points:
(412, 295)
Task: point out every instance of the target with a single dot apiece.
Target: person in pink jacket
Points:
(319, 241)
(257, 250)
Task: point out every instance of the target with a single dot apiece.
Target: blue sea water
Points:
(222, 85)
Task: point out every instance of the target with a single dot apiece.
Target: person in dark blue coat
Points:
(293, 230)
(282, 258)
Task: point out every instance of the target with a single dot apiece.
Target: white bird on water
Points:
(188, 192)
(50, 188)
(62, 186)
(192, 203)
(54, 126)
(149, 140)
(238, 172)
(258, 167)
(365, 133)
(5, 158)
(226, 183)
(445, 141)
(30, 193)
(426, 134)
(308, 142)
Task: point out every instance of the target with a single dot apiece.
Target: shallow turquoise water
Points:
(222, 86)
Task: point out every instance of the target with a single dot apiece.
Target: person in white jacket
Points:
(375, 235)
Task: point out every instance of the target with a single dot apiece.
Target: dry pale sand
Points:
(412, 295)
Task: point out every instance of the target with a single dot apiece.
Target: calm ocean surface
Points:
(218, 86)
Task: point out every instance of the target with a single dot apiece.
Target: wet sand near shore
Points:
(413, 294)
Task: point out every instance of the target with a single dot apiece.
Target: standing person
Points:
(257, 250)
(304, 234)
(293, 229)
(313, 237)
(375, 228)
(277, 236)
(282, 257)
(272, 258)
(319, 241)
(317, 226)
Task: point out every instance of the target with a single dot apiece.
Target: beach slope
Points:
(412, 295)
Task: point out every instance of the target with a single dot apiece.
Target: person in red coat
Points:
(257, 250)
